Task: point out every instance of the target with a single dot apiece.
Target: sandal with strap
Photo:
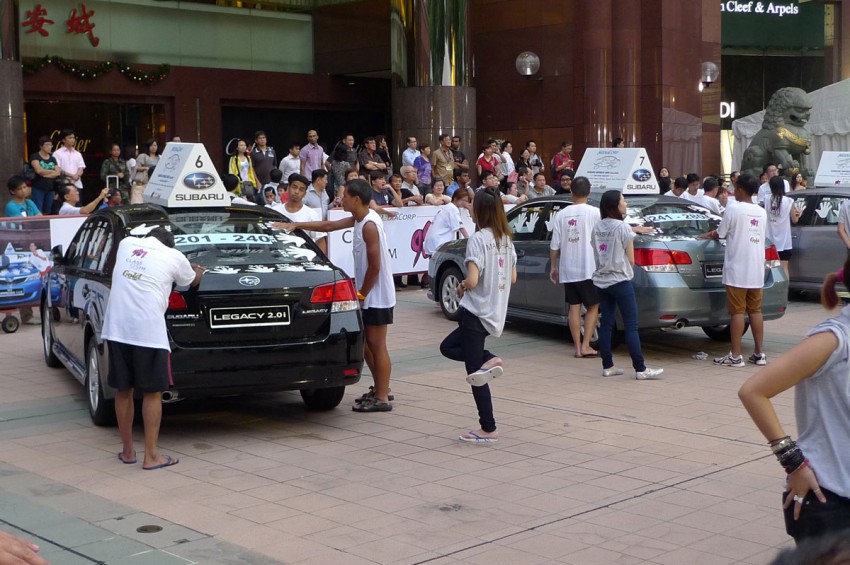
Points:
(370, 395)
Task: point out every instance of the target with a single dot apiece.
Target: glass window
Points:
(226, 241)
(826, 211)
(524, 220)
(550, 213)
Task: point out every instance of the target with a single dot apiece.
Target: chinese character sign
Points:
(35, 21)
(79, 22)
(82, 24)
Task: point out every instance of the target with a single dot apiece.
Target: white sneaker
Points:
(731, 361)
(758, 359)
(612, 372)
(648, 374)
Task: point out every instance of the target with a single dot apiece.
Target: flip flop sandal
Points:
(132, 461)
(472, 437)
(484, 376)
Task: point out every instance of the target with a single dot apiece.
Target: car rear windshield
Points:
(222, 239)
(672, 219)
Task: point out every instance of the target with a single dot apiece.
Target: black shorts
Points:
(143, 368)
(377, 316)
(785, 255)
(582, 292)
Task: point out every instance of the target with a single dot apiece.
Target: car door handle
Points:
(795, 237)
(520, 253)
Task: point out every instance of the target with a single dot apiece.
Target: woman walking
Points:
(614, 251)
(491, 270)
(817, 466)
(781, 213)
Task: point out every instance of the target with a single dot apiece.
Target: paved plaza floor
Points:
(588, 469)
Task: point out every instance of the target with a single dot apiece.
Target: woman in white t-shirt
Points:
(781, 213)
(491, 270)
(614, 252)
(817, 486)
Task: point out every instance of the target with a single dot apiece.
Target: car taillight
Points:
(176, 301)
(771, 257)
(340, 295)
(661, 260)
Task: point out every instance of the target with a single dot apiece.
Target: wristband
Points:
(361, 296)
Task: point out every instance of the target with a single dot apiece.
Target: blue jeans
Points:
(43, 200)
(622, 296)
(466, 343)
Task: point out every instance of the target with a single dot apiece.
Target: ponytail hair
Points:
(828, 295)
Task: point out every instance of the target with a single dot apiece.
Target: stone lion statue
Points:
(783, 139)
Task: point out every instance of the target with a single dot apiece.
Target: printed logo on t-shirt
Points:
(755, 233)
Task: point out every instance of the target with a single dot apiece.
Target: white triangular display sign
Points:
(185, 177)
(625, 169)
(833, 169)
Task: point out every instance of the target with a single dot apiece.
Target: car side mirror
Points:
(58, 255)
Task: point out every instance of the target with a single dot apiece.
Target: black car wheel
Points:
(50, 358)
(101, 410)
(722, 332)
(323, 398)
(447, 289)
(10, 324)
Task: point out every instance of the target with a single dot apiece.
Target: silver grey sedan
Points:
(678, 277)
(817, 249)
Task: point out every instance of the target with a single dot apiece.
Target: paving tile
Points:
(589, 470)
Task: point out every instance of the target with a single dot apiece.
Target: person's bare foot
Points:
(159, 462)
(494, 362)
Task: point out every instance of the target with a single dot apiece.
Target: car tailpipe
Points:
(170, 396)
(681, 323)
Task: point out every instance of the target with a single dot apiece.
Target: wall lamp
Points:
(710, 72)
(528, 64)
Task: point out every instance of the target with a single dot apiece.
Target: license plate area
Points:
(249, 316)
(712, 270)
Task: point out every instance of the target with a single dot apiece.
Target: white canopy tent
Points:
(682, 145)
(829, 125)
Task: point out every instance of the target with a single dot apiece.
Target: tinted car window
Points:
(826, 211)
(556, 207)
(524, 220)
(222, 240)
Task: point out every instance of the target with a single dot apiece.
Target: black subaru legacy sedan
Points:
(271, 313)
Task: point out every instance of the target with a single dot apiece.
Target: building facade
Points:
(127, 71)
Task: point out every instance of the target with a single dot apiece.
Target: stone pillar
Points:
(593, 56)
(431, 73)
(11, 96)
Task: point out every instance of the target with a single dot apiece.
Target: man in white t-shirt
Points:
(771, 171)
(373, 276)
(292, 162)
(70, 197)
(744, 227)
(573, 263)
(296, 211)
(136, 335)
(697, 195)
(447, 223)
